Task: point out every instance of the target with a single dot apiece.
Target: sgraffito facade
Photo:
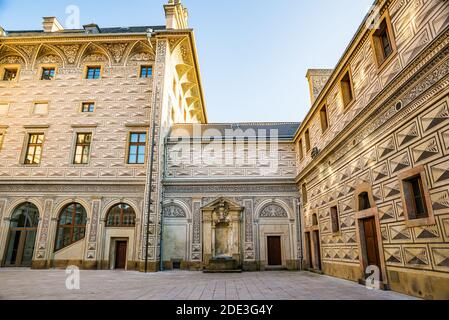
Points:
(358, 207)
(107, 159)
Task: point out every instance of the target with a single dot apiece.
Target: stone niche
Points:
(222, 230)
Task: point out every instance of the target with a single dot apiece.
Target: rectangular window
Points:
(146, 71)
(300, 150)
(48, 74)
(136, 149)
(2, 135)
(10, 74)
(307, 138)
(40, 108)
(364, 203)
(415, 196)
(88, 107)
(34, 148)
(304, 193)
(346, 89)
(82, 148)
(335, 219)
(93, 73)
(4, 109)
(382, 41)
(324, 118)
(414, 191)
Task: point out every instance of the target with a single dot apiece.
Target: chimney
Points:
(51, 24)
(317, 80)
(176, 15)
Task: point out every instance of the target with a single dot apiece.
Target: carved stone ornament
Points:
(173, 211)
(273, 211)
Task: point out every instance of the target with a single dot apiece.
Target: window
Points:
(146, 71)
(137, 146)
(88, 107)
(40, 108)
(71, 226)
(300, 150)
(417, 206)
(93, 73)
(346, 89)
(364, 203)
(304, 193)
(335, 220)
(4, 109)
(10, 74)
(307, 138)
(382, 41)
(48, 74)
(324, 118)
(121, 215)
(314, 219)
(34, 148)
(1, 139)
(82, 149)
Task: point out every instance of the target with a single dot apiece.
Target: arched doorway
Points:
(22, 236)
(120, 224)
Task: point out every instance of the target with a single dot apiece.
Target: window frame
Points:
(2, 137)
(91, 66)
(347, 104)
(326, 114)
(33, 113)
(72, 226)
(300, 149)
(8, 106)
(362, 188)
(87, 103)
(48, 67)
(120, 225)
(418, 171)
(337, 222)
(83, 146)
(307, 140)
(147, 67)
(6, 68)
(29, 135)
(129, 144)
(377, 48)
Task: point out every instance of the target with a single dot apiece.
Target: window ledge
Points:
(430, 221)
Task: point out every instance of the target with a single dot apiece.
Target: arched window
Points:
(25, 216)
(122, 216)
(22, 235)
(71, 225)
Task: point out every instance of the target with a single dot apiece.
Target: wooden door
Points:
(317, 249)
(274, 251)
(120, 254)
(372, 251)
(308, 250)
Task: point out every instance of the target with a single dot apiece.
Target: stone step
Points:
(223, 271)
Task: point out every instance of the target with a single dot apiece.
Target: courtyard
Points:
(26, 284)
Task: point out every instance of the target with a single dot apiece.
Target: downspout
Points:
(301, 256)
(162, 205)
(150, 189)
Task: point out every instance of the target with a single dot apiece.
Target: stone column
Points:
(42, 251)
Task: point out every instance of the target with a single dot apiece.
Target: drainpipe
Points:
(162, 205)
(301, 256)
(150, 200)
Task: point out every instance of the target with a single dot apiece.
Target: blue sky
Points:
(254, 54)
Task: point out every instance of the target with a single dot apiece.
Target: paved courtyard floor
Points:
(119, 285)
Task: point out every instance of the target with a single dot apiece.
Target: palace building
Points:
(108, 161)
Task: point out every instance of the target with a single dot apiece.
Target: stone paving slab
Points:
(29, 284)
